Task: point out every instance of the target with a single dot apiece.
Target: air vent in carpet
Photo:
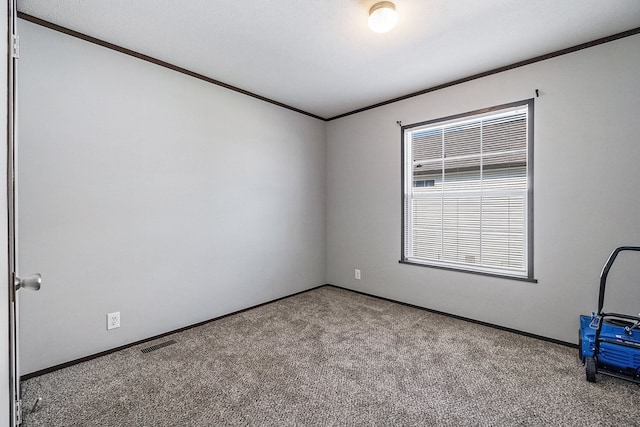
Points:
(157, 346)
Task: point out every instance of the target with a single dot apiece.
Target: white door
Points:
(15, 283)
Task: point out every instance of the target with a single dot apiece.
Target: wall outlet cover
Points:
(113, 320)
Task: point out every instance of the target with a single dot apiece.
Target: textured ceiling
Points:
(319, 55)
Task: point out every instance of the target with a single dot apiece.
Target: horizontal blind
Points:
(466, 184)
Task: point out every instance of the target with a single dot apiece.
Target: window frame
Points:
(529, 223)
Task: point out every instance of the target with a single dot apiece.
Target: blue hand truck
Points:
(609, 343)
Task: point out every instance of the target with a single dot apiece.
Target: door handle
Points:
(31, 282)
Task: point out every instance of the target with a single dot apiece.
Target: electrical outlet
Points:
(113, 320)
(357, 274)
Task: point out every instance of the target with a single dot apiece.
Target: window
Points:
(424, 182)
(467, 191)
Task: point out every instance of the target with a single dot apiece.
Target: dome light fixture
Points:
(383, 16)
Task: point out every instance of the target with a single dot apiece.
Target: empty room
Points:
(338, 212)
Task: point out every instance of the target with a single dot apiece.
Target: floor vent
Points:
(157, 346)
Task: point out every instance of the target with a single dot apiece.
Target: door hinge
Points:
(18, 412)
(15, 46)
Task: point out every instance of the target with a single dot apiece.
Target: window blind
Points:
(473, 214)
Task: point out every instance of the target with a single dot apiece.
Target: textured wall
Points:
(154, 194)
(586, 200)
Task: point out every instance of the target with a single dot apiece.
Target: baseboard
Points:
(466, 319)
(155, 337)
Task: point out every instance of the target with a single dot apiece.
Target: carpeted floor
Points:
(334, 357)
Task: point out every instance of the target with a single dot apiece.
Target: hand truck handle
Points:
(605, 272)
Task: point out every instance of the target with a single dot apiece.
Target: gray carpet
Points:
(334, 357)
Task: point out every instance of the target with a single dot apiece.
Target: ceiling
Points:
(319, 56)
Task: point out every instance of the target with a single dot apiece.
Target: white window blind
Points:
(467, 193)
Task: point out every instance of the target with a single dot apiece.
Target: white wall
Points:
(154, 194)
(586, 175)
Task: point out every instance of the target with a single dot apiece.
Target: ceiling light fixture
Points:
(383, 16)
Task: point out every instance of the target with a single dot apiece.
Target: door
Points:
(15, 283)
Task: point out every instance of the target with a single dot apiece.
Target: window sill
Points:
(481, 273)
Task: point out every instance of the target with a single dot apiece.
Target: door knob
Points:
(31, 282)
